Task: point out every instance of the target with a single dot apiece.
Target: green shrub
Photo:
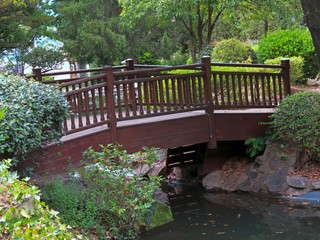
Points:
(34, 114)
(22, 214)
(233, 50)
(290, 43)
(297, 119)
(148, 58)
(176, 58)
(2, 134)
(106, 198)
(296, 68)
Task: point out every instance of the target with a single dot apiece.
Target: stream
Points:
(199, 215)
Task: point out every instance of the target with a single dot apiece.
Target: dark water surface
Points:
(199, 215)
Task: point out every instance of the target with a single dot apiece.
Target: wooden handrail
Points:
(112, 96)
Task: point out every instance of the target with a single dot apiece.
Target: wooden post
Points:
(206, 61)
(130, 64)
(37, 73)
(111, 113)
(132, 93)
(207, 83)
(285, 63)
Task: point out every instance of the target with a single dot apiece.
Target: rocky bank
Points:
(270, 173)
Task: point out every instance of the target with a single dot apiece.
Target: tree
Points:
(197, 17)
(20, 22)
(311, 10)
(46, 58)
(90, 30)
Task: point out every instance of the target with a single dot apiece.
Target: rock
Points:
(297, 182)
(276, 182)
(316, 185)
(212, 180)
(142, 169)
(232, 182)
(295, 192)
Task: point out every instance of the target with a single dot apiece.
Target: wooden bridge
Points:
(166, 107)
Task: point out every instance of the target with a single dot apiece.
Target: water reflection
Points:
(201, 215)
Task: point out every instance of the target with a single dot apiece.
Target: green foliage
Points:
(297, 119)
(22, 214)
(46, 58)
(233, 50)
(34, 114)
(177, 58)
(2, 135)
(296, 68)
(290, 43)
(106, 197)
(20, 22)
(148, 58)
(255, 146)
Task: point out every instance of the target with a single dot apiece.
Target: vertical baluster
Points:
(119, 99)
(87, 107)
(187, 92)
(180, 93)
(257, 87)
(147, 95)
(240, 89)
(245, 81)
(140, 101)
(222, 89)
(168, 95)
(269, 90)
(252, 89)
(280, 88)
(215, 89)
(200, 90)
(174, 93)
(234, 90)
(228, 90)
(161, 92)
(263, 90)
(101, 105)
(79, 110)
(126, 99)
(94, 105)
(194, 92)
(274, 86)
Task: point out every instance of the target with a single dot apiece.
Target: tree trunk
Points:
(199, 27)
(311, 10)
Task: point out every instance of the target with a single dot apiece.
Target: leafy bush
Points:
(22, 214)
(298, 119)
(2, 134)
(176, 58)
(34, 114)
(233, 50)
(148, 58)
(289, 43)
(106, 198)
(255, 146)
(296, 68)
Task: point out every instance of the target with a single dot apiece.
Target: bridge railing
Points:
(249, 85)
(137, 91)
(159, 91)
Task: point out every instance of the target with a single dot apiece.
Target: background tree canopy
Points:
(105, 32)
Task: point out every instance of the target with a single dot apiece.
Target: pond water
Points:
(199, 215)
